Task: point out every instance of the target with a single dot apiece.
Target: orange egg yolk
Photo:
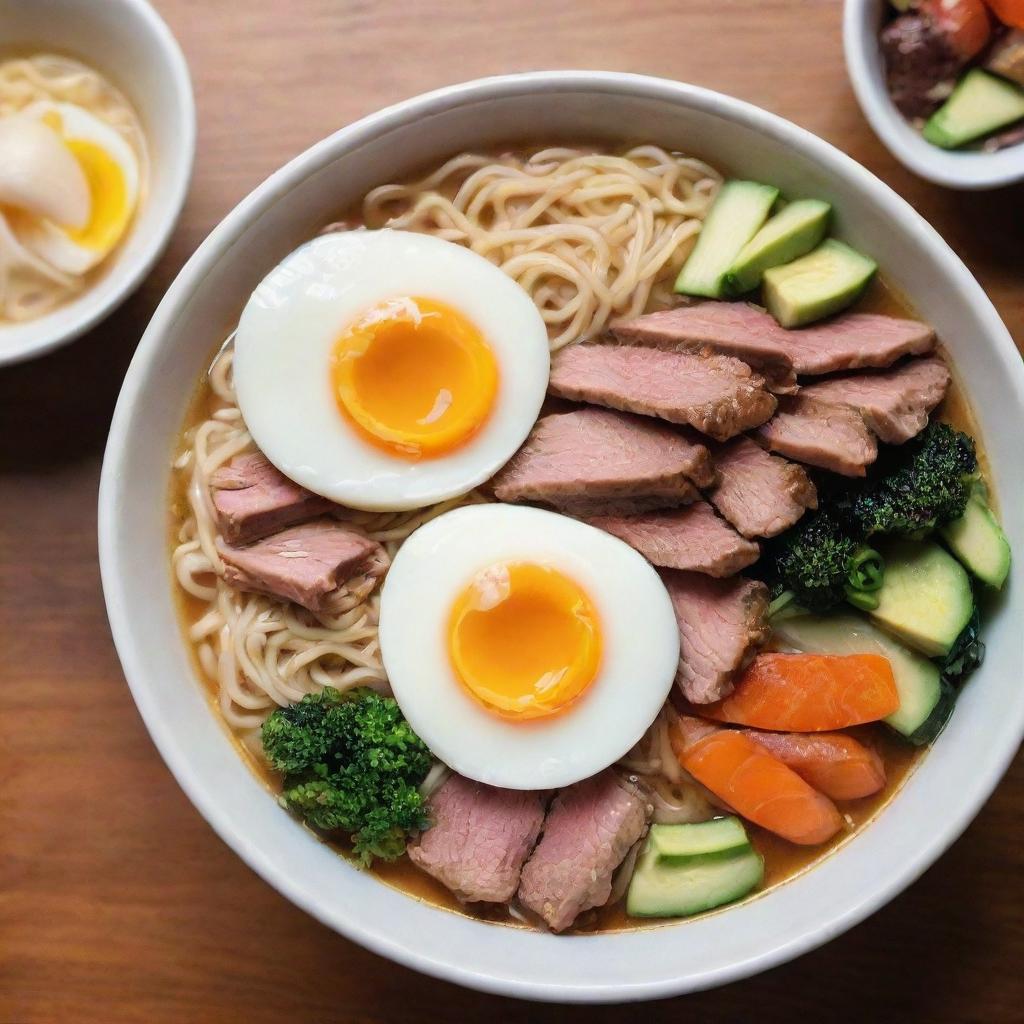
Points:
(524, 640)
(415, 376)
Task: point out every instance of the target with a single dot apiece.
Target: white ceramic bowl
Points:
(128, 42)
(961, 170)
(927, 815)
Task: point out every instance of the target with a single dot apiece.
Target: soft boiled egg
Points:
(76, 204)
(389, 370)
(527, 649)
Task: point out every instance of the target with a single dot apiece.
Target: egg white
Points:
(640, 646)
(50, 240)
(283, 352)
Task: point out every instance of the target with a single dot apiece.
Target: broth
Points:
(783, 860)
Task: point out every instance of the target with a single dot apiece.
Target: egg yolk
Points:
(524, 640)
(110, 210)
(415, 376)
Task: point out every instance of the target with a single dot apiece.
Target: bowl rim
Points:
(130, 276)
(114, 483)
(965, 171)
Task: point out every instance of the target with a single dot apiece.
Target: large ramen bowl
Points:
(128, 43)
(935, 804)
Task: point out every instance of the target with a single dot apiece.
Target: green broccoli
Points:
(351, 763)
(813, 561)
(930, 487)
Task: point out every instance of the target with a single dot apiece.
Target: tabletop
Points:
(117, 901)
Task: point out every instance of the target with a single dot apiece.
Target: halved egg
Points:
(529, 650)
(107, 168)
(389, 370)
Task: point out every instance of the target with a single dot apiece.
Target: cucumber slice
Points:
(817, 285)
(979, 542)
(926, 597)
(923, 706)
(979, 105)
(740, 208)
(667, 889)
(675, 843)
(792, 233)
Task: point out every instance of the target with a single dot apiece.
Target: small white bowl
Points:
(928, 813)
(968, 171)
(128, 43)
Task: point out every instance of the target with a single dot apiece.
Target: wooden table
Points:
(117, 901)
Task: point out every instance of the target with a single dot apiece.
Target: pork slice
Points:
(721, 327)
(717, 395)
(691, 538)
(853, 341)
(848, 341)
(828, 436)
(760, 494)
(895, 403)
(593, 459)
(253, 499)
(587, 834)
(321, 565)
(721, 624)
(672, 494)
(480, 838)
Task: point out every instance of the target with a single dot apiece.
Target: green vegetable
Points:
(739, 210)
(966, 654)
(817, 285)
(351, 763)
(929, 487)
(818, 564)
(926, 599)
(788, 235)
(980, 104)
(977, 539)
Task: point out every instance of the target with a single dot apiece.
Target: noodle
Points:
(29, 286)
(589, 236)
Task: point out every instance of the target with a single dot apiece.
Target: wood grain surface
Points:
(117, 901)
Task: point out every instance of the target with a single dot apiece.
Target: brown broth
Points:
(783, 860)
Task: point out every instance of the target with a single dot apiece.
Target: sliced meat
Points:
(717, 395)
(920, 63)
(691, 538)
(760, 494)
(320, 565)
(895, 403)
(849, 341)
(591, 460)
(828, 436)
(479, 839)
(587, 834)
(1007, 57)
(253, 499)
(1004, 139)
(720, 327)
(721, 624)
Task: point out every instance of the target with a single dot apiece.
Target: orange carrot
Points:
(760, 787)
(964, 23)
(833, 763)
(809, 693)
(1009, 12)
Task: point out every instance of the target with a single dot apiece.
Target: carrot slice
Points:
(761, 788)
(809, 693)
(1009, 12)
(833, 763)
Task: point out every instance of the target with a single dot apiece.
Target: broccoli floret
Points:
(929, 489)
(352, 763)
(813, 560)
